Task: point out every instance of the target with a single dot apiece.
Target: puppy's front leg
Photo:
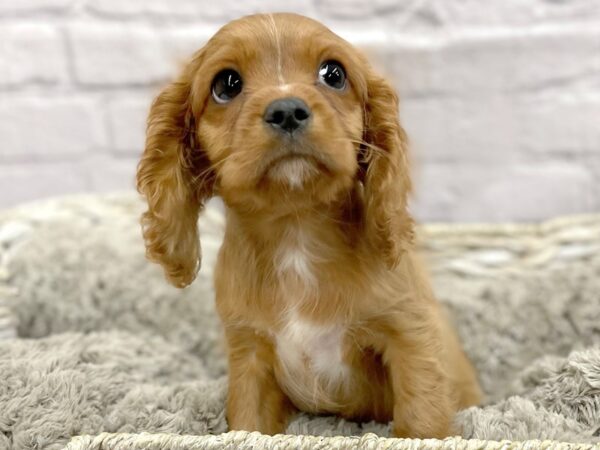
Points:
(255, 402)
(423, 403)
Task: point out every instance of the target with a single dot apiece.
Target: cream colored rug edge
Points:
(242, 440)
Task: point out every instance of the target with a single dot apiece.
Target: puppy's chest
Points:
(295, 260)
(308, 349)
(311, 365)
(301, 343)
(311, 356)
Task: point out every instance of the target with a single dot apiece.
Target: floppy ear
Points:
(384, 160)
(175, 176)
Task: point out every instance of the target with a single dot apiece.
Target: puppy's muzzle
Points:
(287, 115)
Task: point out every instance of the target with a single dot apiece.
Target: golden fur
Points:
(324, 304)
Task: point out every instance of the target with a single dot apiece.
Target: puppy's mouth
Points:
(293, 168)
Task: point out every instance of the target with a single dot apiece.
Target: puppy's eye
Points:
(226, 85)
(332, 74)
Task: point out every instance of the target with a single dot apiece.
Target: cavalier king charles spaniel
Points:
(323, 301)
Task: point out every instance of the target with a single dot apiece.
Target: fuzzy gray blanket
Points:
(93, 339)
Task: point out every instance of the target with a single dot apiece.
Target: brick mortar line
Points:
(442, 33)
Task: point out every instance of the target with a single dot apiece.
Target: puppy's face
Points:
(274, 113)
(282, 110)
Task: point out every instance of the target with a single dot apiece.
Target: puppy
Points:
(324, 306)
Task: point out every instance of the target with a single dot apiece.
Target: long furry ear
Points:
(174, 175)
(384, 160)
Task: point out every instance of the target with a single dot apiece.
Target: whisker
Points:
(373, 148)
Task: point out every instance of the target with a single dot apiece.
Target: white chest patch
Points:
(294, 258)
(306, 349)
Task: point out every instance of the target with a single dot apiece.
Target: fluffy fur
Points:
(324, 304)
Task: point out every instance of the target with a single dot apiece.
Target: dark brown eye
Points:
(332, 74)
(226, 86)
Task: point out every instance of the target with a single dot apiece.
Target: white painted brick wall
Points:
(117, 55)
(31, 53)
(41, 128)
(501, 99)
(126, 117)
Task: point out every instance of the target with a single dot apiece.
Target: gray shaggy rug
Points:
(92, 338)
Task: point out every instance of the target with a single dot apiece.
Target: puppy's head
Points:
(275, 111)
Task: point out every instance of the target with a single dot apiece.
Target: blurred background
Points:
(501, 98)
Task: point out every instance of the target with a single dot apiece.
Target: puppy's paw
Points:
(424, 419)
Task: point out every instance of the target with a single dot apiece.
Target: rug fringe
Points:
(242, 440)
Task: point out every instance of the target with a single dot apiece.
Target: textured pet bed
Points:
(95, 344)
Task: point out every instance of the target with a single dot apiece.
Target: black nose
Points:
(287, 114)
